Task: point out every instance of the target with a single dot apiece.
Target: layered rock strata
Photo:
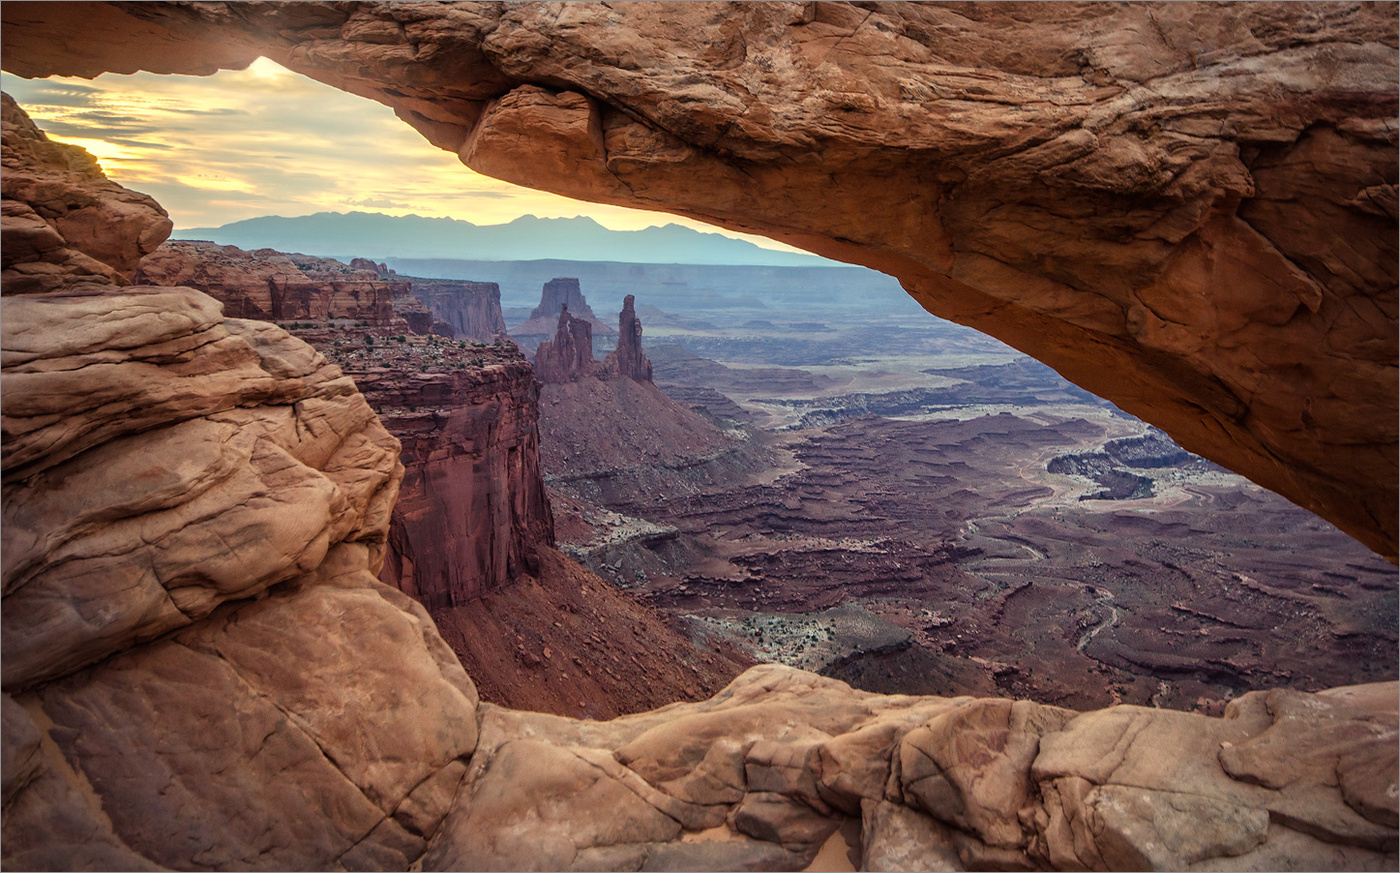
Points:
(567, 357)
(51, 191)
(783, 764)
(627, 360)
(201, 671)
(195, 508)
(471, 511)
(274, 286)
(471, 309)
(1186, 208)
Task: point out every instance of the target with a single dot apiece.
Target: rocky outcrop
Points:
(51, 192)
(195, 508)
(782, 764)
(471, 309)
(366, 264)
(201, 672)
(627, 360)
(273, 286)
(557, 295)
(419, 318)
(471, 511)
(1186, 208)
(569, 356)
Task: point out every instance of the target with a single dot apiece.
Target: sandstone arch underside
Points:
(1188, 209)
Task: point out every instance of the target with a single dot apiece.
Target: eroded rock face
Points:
(567, 357)
(471, 510)
(195, 508)
(557, 295)
(1188, 209)
(274, 286)
(780, 759)
(627, 361)
(54, 193)
(471, 309)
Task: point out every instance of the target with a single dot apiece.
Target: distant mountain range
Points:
(377, 236)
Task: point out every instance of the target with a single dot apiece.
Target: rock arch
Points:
(1188, 209)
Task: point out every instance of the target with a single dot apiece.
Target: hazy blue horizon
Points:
(378, 236)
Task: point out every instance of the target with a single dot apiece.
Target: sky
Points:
(266, 141)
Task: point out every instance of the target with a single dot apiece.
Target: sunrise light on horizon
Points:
(267, 141)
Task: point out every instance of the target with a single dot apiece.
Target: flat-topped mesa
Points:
(569, 356)
(565, 292)
(269, 285)
(366, 264)
(627, 360)
(471, 309)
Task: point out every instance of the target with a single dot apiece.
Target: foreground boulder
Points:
(200, 668)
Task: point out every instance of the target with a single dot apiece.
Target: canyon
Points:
(471, 534)
(917, 509)
(202, 668)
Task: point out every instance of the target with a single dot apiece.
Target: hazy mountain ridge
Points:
(379, 236)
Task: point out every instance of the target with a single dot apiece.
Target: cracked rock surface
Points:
(1186, 208)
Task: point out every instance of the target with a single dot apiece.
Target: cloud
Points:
(380, 203)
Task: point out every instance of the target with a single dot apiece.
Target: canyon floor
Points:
(915, 508)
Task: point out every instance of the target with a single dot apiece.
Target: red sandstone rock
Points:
(273, 286)
(1185, 208)
(471, 310)
(194, 508)
(569, 356)
(215, 484)
(557, 294)
(61, 220)
(471, 511)
(627, 360)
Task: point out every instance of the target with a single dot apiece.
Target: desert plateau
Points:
(990, 460)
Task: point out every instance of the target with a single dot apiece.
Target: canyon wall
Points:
(471, 309)
(1186, 208)
(201, 671)
(195, 508)
(471, 510)
(274, 286)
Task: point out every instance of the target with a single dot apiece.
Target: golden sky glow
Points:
(266, 141)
